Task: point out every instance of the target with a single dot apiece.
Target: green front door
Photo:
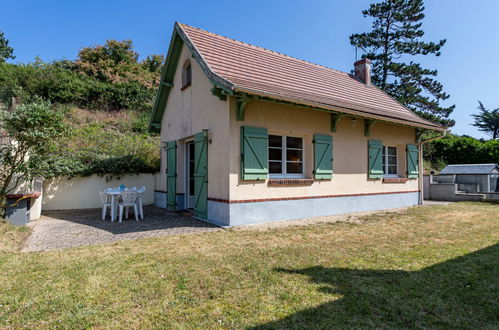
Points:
(171, 175)
(201, 175)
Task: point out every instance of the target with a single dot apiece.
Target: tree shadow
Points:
(458, 293)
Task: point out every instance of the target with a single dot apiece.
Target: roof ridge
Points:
(263, 48)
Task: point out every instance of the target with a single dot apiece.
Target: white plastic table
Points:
(114, 193)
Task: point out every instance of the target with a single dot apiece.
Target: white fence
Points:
(82, 192)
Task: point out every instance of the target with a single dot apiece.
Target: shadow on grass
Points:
(458, 293)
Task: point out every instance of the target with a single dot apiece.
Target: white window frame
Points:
(386, 164)
(284, 161)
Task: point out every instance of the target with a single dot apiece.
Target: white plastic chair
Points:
(141, 208)
(106, 202)
(129, 199)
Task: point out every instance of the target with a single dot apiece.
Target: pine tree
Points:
(396, 34)
(6, 51)
(487, 121)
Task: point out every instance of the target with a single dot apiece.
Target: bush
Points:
(455, 149)
(57, 83)
(101, 143)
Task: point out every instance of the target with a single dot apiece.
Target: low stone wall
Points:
(82, 192)
(442, 191)
(492, 195)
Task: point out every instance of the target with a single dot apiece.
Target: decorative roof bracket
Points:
(218, 92)
(335, 118)
(240, 106)
(368, 123)
(419, 134)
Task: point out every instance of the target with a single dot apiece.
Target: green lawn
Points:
(435, 266)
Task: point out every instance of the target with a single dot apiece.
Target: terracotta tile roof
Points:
(263, 72)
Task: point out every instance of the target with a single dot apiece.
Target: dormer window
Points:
(186, 74)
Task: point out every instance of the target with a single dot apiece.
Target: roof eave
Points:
(341, 107)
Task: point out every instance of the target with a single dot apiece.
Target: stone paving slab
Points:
(57, 230)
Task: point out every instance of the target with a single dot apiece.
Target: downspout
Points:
(420, 165)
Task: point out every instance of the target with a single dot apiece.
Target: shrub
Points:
(100, 143)
(455, 149)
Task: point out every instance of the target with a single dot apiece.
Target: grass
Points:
(433, 267)
(11, 237)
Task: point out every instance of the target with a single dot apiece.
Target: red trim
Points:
(304, 197)
(29, 195)
(395, 180)
(289, 182)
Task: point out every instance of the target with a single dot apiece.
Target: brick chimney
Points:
(363, 70)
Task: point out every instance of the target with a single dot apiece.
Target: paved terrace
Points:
(57, 230)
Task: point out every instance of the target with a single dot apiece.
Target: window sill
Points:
(395, 180)
(290, 182)
(186, 86)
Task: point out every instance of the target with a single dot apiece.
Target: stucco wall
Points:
(189, 112)
(349, 144)
(82, 192)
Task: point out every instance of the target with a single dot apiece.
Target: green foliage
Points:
(117, 62)
(487, 121)
(31, 128)
(153, 63)
(105, 77)
(6, 51)
(103, 143)
(455, 149)
(109, 79)
(396, 33)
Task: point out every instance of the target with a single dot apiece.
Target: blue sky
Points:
(316, 31)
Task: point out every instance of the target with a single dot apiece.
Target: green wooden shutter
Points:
(375, 163)
(201, 175)
(171, 175)
(254, 153)
(412, 161)
(323, 157)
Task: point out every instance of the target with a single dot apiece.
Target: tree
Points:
(487, 121)
(31, 128)
(396, 33)
(6, 52)
(154, 62)
(115, 62)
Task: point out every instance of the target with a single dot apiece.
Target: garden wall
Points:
(82, 192)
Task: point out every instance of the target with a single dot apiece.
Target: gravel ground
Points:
(57, 230)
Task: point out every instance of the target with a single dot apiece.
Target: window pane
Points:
(294, 142)
(294, 155)
(275, 141)
(294, 168)
(392, 169)
(392, 160)
(275, 167)
(275, 154)
(392, 151)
